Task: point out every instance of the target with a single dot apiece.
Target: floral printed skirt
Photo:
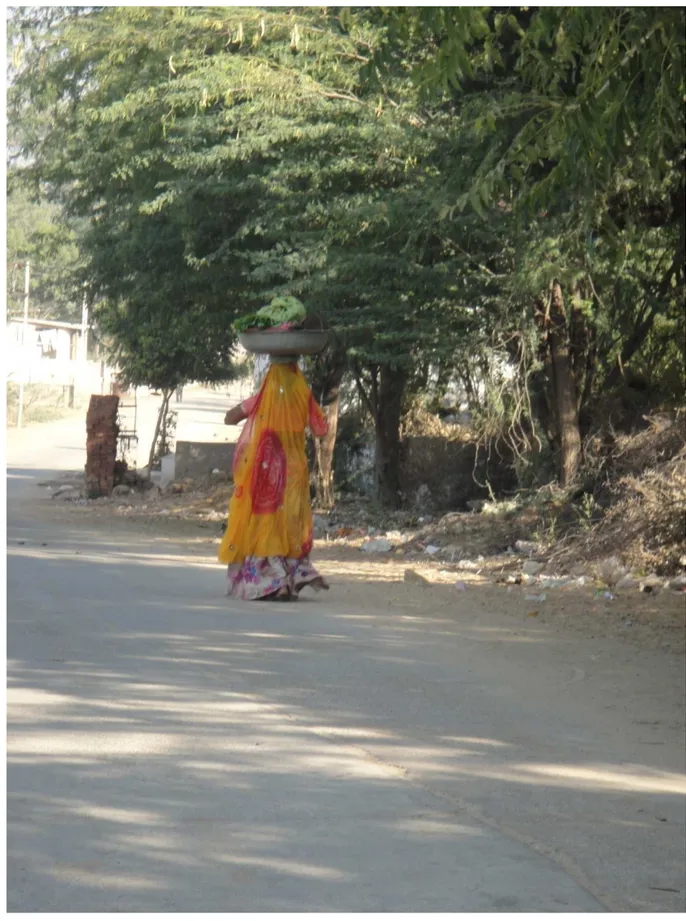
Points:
(271, 576)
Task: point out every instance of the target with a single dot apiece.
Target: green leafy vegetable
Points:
(281, 310)
(252, 321)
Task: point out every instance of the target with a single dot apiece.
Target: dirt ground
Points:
(407, 580)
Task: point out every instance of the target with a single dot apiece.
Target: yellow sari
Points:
(268, 538)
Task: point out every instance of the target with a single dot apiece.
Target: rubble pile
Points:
(450, 543)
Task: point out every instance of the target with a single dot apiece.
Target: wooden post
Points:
(84, 330)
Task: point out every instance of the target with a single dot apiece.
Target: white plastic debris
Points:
(469, 565)
(395, 537)
(380, 545)
(628, 582)
(555, 581)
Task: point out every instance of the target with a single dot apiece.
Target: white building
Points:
(53, 352)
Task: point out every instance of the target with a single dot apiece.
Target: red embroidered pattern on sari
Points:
(268, 475)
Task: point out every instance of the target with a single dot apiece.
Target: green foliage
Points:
(570, 122)
(40, 234)
(419, 177)
(571, 93)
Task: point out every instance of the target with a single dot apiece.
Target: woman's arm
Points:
(242, 411)
(235, 415)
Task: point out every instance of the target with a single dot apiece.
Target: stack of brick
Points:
(101, 445)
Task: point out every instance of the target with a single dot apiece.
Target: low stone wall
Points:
(197, 459)
(437, 474)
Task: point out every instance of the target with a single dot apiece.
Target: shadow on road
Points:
(171, 748)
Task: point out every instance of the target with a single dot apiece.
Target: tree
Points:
(576, 114)
(165, 321)
(164, 354)
(41, 235)
(289, 179)
(224, 155)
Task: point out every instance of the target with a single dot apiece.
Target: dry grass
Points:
(640, 516)
(419, 422)
(42, 403)
(644, 523)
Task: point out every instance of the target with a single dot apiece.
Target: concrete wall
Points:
(198, 459)
(437, 474)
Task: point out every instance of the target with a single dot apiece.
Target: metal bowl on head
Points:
(284, 342)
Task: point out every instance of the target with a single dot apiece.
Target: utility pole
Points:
(84, 329)
(24, 330)
(82, 368)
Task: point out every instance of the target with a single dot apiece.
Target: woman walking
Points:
(268, 538)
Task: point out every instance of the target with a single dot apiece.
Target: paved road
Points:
(170, 750)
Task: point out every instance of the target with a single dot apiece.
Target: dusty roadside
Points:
(404, 576)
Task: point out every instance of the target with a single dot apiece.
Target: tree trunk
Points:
(388, 411)
(327, 375)
(161, 422)
(566, 401)
(323, 454)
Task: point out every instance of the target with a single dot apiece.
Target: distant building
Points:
(43, 339)
(52, 352)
